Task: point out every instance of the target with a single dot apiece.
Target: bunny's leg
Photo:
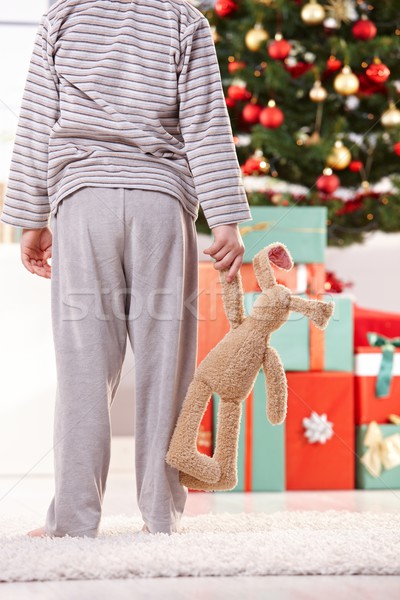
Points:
(226, 450)
(227, 440)
(182, 453)
(276, 384)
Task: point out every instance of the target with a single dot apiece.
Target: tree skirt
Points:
(282, 543)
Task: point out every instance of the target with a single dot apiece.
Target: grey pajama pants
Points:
(124, 264)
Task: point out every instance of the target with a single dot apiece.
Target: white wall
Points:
(373, 267)
(28, 372)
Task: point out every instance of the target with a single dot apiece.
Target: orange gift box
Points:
(369, 407)
(325, 400)
(213, 324)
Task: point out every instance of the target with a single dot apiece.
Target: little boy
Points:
(123, 132)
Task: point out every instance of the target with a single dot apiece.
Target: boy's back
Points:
(124, 93)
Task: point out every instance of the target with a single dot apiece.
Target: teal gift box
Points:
(261, 446)
(302, 229)
(383, 443)
(304, 348)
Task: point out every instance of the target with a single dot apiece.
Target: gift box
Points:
(366, 320)
(378, 456)
(369, 364)
(319, 433)
(261, 446)
(302, 229)
(304, 347)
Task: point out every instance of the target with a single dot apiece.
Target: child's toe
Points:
(40, 532)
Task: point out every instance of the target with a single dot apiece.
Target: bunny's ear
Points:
(279, 256)
(276, 254)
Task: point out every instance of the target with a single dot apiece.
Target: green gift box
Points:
(304, 349)
(383, 444)
(302, 229)
(261, 446)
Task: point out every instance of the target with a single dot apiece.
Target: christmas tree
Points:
(312, 89)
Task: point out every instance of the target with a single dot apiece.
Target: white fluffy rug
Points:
(282, 543)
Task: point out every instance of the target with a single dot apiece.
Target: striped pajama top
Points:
(124, 93)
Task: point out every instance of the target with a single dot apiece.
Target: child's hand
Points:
(36, 248)
(227, 249)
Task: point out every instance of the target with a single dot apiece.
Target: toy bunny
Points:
(230, 370)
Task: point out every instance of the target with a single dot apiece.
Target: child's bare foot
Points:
(145, 528)
(40, 532)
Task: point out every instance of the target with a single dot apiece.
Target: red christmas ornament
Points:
(235, 65)
(224, 8)
(327, 182)
(271, 116)
(396, 148)
(229, 102)
(364, 29)
(251, 113)
(251, 166)
(299, 69)
(238, 92)
(279, 49)
(333, 64)
(355, 166)
(368, 87)
(377, 71)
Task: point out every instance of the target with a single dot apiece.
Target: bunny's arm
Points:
(276, 384)
(318, 311)
(232, 297)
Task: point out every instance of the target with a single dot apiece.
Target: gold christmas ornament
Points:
(391, 116)
(340, 156)
(264, 164)
(317, 92)
(255, 37)
(266, 2)
(313, 13)
(304, 138)
(313, 139)
(346, 83)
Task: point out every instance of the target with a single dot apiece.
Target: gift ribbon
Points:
(395, 419)
(384, 379)
(317, 344)
(265, 225)
(248, 443)
(380, 451)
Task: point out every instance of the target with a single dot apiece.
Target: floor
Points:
(29, 497)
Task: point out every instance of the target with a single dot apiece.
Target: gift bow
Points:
(381, 451)
(385, 374)
(317, 428)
